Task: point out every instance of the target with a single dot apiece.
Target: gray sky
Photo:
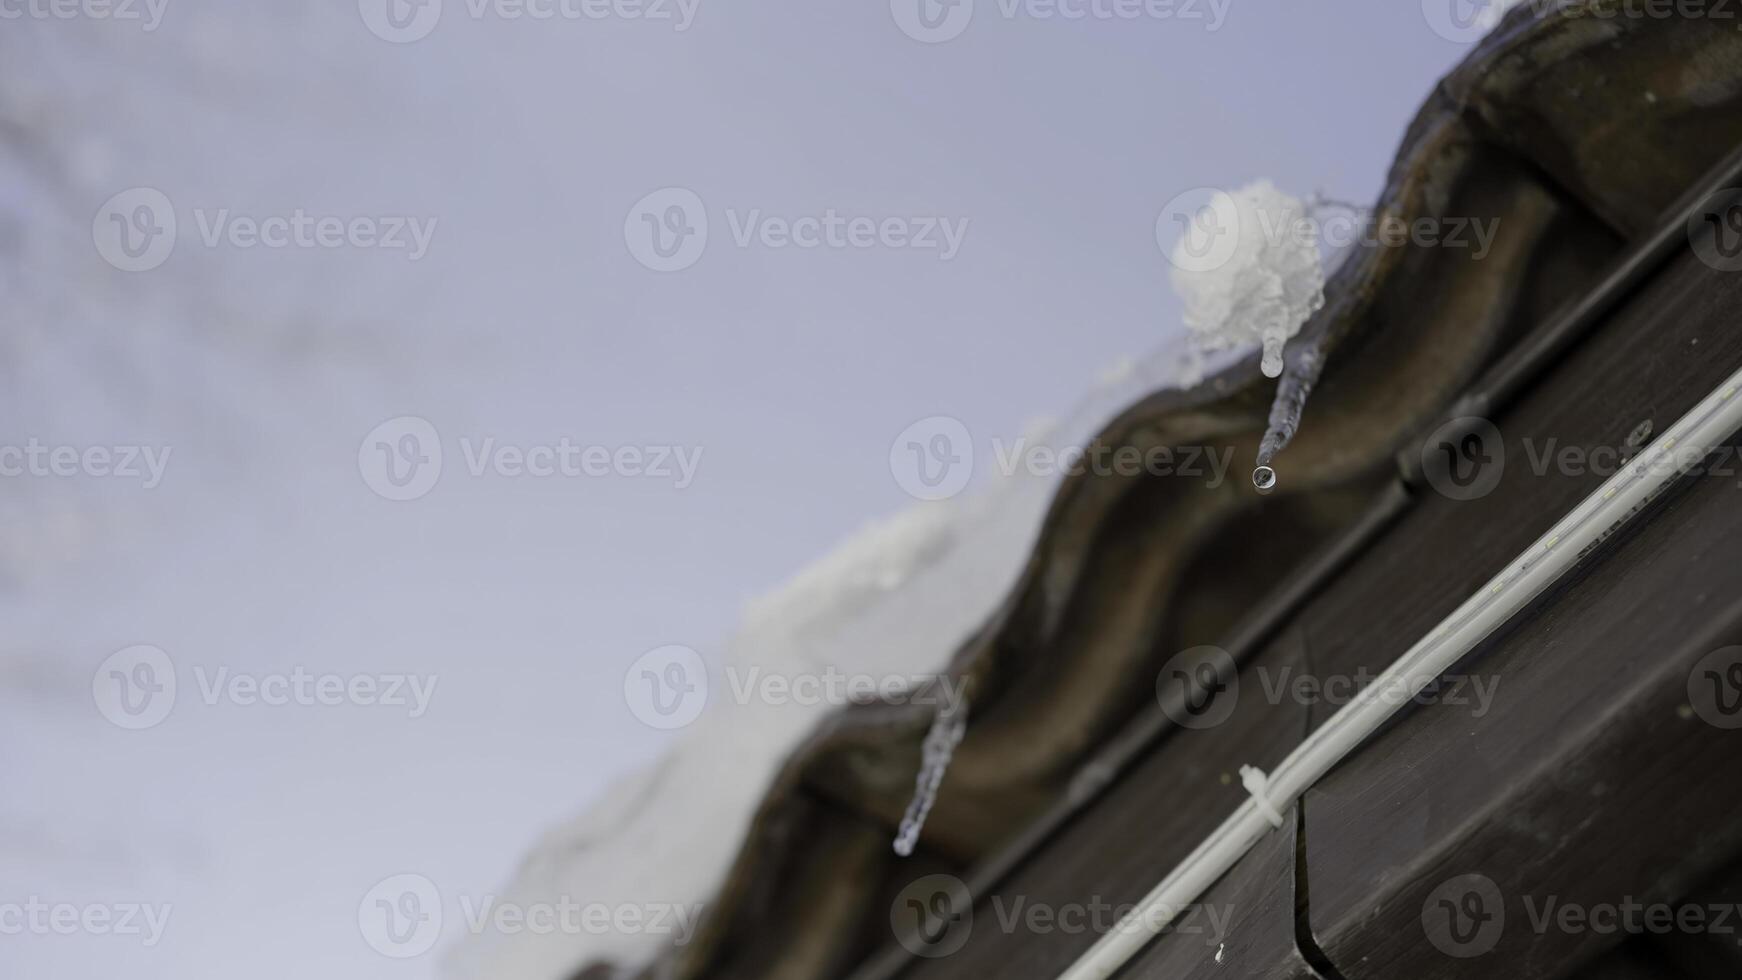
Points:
(530, 320)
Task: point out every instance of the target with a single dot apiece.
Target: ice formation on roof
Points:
(899, 596)
(947, 728)
(1304, 365)
(1257, 287)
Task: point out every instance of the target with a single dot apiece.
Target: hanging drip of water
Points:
(1305, 363)
(947, 729)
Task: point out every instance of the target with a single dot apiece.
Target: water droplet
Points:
(1264, 478)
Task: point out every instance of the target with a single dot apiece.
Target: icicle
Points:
(1292, 391)
(947, 728)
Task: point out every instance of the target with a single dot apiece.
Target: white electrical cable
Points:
(1696, 434)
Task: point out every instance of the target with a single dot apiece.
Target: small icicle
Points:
(1298, 378)
(947, 728)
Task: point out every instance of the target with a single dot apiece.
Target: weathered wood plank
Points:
(1128, 840)
(1589, 780)
(1256, 900)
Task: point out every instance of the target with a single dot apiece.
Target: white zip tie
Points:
(1258, 785)
(1617, 501)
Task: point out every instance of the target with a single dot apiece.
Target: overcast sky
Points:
(484, 276)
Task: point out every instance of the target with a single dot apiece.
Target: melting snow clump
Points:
(1248, 271)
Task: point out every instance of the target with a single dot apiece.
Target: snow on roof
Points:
(896, 598)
